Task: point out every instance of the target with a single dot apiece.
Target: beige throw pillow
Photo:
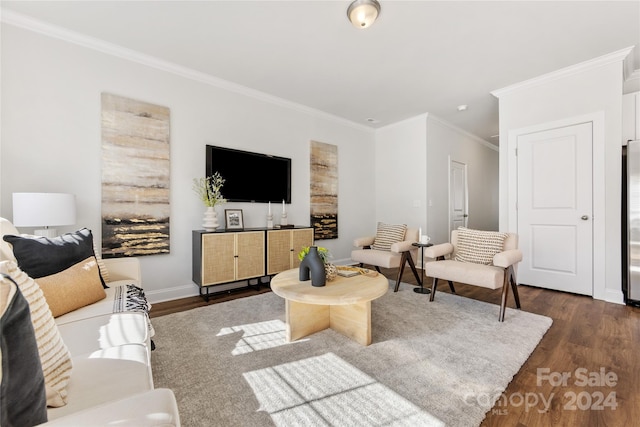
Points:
(478, 246)
(54, 355)
(73, 288)
(101, 265)
(388, 234)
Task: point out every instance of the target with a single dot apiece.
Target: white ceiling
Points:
(420, 56)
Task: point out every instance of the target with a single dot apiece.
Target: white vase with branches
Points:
(209, 189)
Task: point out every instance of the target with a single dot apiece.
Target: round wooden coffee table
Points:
(343, 304)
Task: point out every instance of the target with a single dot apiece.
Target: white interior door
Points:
(458, 213)
(555, 192)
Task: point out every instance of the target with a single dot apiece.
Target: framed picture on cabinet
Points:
(233, 219)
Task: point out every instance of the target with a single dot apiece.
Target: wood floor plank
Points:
(586, 335)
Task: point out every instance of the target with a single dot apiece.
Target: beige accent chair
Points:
(400, 254)
(499, 275)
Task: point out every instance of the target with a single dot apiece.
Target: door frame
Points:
(599, 197)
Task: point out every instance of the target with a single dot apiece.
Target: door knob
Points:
(584, 217)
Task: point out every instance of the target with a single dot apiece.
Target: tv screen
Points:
(250, 177)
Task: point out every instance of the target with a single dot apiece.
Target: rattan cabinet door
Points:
(300, 239)
(283, 247)
(249, 254)
(278, 251)
(218, 258)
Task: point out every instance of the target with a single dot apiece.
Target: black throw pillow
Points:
(23, 399)
(42, 256)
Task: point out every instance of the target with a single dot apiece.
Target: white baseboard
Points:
(169, 294)
(614, 296)
(191, 290)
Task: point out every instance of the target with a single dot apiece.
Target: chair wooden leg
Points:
(451, 286)
(400, 271)
(505, 293)
(433, 289)
(514, 287)
(406, 258)
(453, 290)
(403, 261)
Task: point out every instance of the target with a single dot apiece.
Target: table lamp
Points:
(44, 210)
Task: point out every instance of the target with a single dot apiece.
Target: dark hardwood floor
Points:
(584, 372)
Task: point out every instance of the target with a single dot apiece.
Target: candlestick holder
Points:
(283, 219)
(269, 221)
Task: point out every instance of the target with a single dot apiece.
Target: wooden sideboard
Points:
(227, 256)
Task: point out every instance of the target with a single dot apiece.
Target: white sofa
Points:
(111, 380)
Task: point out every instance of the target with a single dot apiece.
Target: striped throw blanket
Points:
(132, 298)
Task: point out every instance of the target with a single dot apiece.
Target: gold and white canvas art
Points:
(324, 190)
(135, 177)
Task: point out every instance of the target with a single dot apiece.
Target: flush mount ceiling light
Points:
(363, 13)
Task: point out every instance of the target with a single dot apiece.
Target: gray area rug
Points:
(430, 363)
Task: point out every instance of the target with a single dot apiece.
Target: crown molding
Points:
(617, 56)
(404, 121)
(464, 132)
(28, 23)
(635, 75)
(427, 116)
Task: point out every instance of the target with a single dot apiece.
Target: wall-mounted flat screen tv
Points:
(250, 177)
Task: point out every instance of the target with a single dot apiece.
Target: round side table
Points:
(422, 289)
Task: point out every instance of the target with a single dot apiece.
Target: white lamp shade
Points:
(43, 209)
(363, 13)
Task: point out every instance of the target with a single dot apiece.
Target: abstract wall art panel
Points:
(324, 190)
(135, 177)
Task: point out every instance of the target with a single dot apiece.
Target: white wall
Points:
(401, 174)
(412, 164)
(588, 89)
(445, 143)
(51, 143)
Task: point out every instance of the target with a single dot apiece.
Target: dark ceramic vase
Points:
(313, 266)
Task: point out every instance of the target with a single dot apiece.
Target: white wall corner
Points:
(631, 83)
(628, 62)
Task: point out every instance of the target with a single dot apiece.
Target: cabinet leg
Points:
(204, 296)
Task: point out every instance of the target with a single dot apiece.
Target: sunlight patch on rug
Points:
(326, 390)
(258, 336)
